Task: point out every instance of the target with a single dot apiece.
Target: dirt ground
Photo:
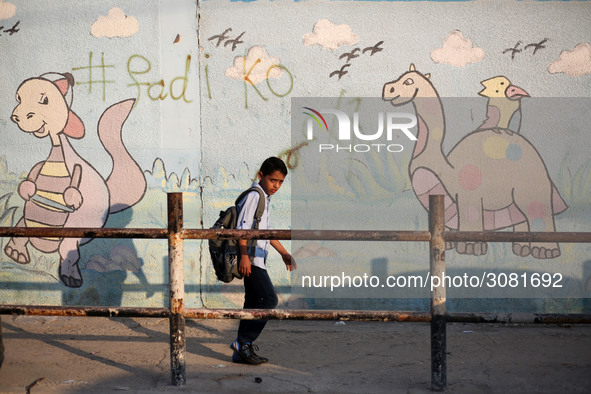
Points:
(81, 355)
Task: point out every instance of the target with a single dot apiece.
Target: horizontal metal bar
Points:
(327, 235)
(193, 313)
(298, 314)
(336, 235)
(104, 311)
(306, 314)
(356, 235)
(79, 232)
(234, 234)
(523, 236)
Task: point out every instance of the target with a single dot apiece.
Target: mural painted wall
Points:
(104, 114)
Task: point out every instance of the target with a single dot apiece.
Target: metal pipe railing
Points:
(310, 235)
(177, 313)
(296, 314)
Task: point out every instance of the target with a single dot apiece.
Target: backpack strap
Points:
(259, 211)
(260, 208)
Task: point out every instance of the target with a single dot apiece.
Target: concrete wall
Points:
(214, 83)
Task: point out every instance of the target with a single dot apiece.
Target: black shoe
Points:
(245, 353)
(237, 359)
(255, 347)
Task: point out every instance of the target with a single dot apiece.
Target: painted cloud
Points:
(573, 63)
(330, 36)
(7, 10)
(116, 24)
(457, 51)
(256, 67)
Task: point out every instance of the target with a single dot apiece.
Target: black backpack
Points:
(224, 252)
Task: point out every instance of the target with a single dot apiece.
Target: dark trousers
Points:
(259, 293)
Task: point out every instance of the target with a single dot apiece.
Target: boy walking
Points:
(259, 292)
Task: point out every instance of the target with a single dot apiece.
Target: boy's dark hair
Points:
(273, 164)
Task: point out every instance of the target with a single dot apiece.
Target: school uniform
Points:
(259, 292)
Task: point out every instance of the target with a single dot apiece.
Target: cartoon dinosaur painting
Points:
(64, 190)
(492, 179)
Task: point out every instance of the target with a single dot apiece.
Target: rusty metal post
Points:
(177, 289)
(1, 346)
(438, 297)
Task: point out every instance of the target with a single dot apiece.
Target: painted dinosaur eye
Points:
(18, 98)
(44, 100)
(391, 90)
(409, 81)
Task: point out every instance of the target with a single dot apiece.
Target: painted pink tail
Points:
(126, 182)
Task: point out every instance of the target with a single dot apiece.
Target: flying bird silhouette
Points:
(235, 41)
(537, 46)
(374, 49)
(340, 73)
(350, 55)
(513, 50)
(13, 29)
(220, 37)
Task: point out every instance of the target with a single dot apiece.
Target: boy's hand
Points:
(244, 266)
(289, 261)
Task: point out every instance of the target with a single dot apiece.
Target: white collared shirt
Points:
(246, 210)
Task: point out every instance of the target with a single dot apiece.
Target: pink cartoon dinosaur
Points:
(65, 190)
(493, 178)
